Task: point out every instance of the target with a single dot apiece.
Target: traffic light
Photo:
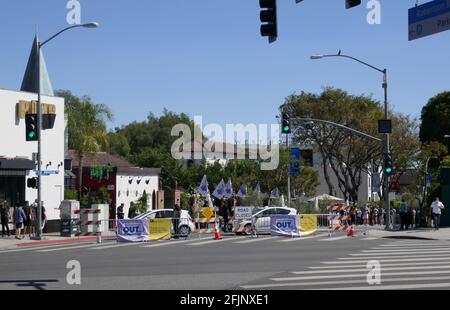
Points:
(395, 186)
(285, 124)
(268, 17)
(352, 3)
(32, 183)
(388, 164)
(31, 126)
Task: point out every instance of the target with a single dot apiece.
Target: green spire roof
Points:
(30, 79)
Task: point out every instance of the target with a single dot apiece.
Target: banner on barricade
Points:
(242, 213)
(308, 224)
(132, 230)
(159, 229)
(285, 225)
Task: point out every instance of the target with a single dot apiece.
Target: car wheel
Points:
(184, 231)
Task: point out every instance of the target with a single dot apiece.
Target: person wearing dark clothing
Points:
(4, 217)
(176, 220)
(28, 220)
(19, 218)
(120, 213)
(225, 215)
(403, 215)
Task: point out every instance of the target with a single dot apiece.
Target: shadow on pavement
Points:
(37, 284)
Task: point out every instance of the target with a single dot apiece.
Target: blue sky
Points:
(206, 57)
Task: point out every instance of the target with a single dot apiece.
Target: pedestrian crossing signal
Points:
(395, 186)
(285, 124)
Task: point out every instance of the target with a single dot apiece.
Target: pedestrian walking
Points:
(359, 214)
(436, 209)
(28, 224)
(403, 215)
(19, 218)
(5, 214)
(176, 220)
(366, 216)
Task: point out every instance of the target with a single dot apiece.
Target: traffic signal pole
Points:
(387, 150)
(288, 175)
(39, 154)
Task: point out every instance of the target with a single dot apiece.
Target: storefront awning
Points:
(16, 164)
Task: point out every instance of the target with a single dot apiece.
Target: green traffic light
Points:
(31, 135)
(286, 128)
(388, 170)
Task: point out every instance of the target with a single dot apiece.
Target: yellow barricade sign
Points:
(159, 229)
(308, 224)
(208, 213)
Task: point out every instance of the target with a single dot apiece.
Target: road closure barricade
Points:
(243, 220)
(206, 220)
(89, 223)
(340, 220)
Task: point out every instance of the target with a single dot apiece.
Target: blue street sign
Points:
(429, 18)
(46, 173)
(295, 161)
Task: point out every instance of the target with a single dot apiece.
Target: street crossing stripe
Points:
(393, 287)
(378, 257)
(364, 265)
(398, 253)
(34, 248)
(292, 284)
(403, 250)
(165, 243)
(257, 240)
(357, 275)
(367, 270)
(214, 241)
(391, 259)
(414, 244)
(369, 238)
(69, 248)
(303, 238)
(334, 238)
(118, 245)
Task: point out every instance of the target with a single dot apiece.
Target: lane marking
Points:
(392, 287)
(273, 285)
(391, 259)
(165, 243)
(404, 250)
(364, 275)
(39, 248)
(366, 270)
(334, 238)
(215, 241)
(364, 263)
(378, 257)
(257, 240)
(69, 248)
(303, 238)
(399, 253)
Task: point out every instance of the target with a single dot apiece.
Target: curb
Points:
(62, 242)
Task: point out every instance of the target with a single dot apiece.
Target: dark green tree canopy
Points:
(436, 119)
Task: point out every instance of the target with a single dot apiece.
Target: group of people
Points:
(24, 218)
(226, 210)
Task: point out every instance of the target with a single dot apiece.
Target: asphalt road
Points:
(240, 263)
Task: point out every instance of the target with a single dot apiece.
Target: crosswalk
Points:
(404, 264)
(192, 242)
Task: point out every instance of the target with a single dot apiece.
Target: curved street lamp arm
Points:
(340, 126)
(358, 60)
(64, 30)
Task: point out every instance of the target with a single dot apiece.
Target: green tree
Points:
(435, 119)
(86, 126)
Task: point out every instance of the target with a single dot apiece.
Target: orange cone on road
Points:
(217, 235)
(351, 233)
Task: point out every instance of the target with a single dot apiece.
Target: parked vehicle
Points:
(185, 227)
(261, 218)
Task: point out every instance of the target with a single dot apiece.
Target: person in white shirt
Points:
(436, 208)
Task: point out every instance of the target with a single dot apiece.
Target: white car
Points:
(185, 227)
(261, 218)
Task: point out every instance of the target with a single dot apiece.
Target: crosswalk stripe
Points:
(404, 250)
(370, 238)
(423, 247)
(34, 248)
(393, 287)
(378, 257)
(292, 284)
(215, 241)
(67, 248)
(334, 238)
(359, 275)
(429, 244)
(364, 264)
(391, 259)
(399, 253)
(383, 269)
(303, 238)
(257, 240)
(117, 245)
(165, 243)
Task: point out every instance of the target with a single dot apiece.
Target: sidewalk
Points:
(418, 233)
(10, 243)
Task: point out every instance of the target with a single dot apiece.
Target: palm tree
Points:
(87, 128)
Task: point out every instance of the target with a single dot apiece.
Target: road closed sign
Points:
(284, 225)
(241, 213)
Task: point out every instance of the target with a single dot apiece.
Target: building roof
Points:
(31, 76)
(104, 159)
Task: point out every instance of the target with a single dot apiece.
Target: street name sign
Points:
(429, 18)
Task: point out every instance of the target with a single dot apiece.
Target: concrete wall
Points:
(12, 144)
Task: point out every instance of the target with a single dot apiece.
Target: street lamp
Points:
(39, 112)
(386, 136)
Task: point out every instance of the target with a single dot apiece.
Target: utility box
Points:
(68, 217)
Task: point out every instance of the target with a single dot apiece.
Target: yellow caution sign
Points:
(308, 224)
(208, 213)
(159, 229)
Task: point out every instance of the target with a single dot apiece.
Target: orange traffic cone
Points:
(217, 235)
(351, 233)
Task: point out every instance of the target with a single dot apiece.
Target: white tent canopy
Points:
(325, 197)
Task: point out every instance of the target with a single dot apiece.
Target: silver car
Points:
(261, 218)
(185, 227)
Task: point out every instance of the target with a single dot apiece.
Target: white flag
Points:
(220, 190)
(258, 189)
(229, 190)
(203, 188)
(242, 193)
(275, 193)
